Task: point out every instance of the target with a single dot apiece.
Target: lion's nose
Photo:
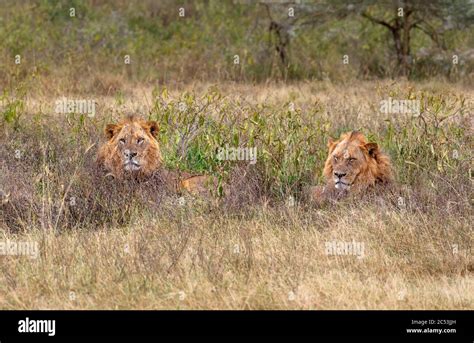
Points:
(339, 175)
(129, 154)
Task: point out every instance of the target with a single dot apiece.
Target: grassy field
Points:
(108, 245)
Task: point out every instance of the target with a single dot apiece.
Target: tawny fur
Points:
(130, 130)
(109, 154)
(377, 168)
(372, 169)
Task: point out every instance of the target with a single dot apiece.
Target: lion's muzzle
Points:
(340, 182)
(130, 161)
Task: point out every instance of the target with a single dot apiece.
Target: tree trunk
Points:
(406, 43)
(401, 38)
(397, 39)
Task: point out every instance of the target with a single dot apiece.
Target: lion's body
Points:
(353, 166)
(132, 151)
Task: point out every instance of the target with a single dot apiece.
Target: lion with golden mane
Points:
(132, 151)
(354, 165)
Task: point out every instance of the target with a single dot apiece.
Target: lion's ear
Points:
(153, 127)
(110, 130)
(331, 144)
(372, 149)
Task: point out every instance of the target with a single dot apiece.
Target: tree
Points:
(285, 18)
(433, 18)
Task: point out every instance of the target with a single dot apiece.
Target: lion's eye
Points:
(122, 140)
(140, 140)
(335, 159)
(352, 159)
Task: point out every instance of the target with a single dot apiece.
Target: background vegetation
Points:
(88, 49)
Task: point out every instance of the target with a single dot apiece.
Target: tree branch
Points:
(430, 32)
(378, 21)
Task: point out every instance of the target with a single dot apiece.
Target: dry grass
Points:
(115, 248)
(275, 259)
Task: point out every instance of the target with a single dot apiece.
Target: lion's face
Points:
(347, 162)
(132, 143)
(132, 148)
(355, 163)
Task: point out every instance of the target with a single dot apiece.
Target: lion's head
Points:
(131, 148)
(355, 164)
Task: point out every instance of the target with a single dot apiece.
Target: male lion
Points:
(132, 151)
(353, 165)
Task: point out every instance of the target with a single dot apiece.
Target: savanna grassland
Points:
(104, 244)
(258, 242)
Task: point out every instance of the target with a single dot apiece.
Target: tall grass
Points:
(430, 150)
(125, 245)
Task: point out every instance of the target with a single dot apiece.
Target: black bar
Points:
(370, 324)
